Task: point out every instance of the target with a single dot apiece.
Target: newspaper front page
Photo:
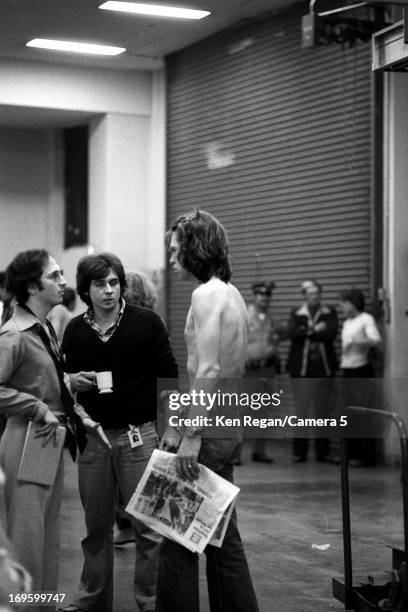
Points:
(186, 512)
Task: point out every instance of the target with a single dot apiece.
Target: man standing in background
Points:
(263, 361)
(312, 363)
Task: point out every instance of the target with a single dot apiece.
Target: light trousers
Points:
(31, 515)
(101, 473)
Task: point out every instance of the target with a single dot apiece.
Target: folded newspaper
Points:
(193, 514)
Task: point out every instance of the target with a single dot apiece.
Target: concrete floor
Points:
(283, 511)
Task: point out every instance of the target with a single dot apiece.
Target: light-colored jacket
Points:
(28, 378)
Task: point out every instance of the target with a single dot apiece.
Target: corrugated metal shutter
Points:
(275, 141)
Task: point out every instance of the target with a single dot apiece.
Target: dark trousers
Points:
(260, 380)
(229, 582)
(313, 396)
(360, 394)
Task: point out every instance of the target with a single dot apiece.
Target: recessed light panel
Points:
(74, 47)
(155, 10)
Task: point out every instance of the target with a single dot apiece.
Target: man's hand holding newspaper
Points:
(187, 511)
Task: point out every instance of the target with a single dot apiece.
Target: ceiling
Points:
(147, 39)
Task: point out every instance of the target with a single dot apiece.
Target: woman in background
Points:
(140, 290)
(358, 337)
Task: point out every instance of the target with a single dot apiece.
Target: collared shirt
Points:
(105, 335)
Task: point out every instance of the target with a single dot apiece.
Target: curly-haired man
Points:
(216, 337)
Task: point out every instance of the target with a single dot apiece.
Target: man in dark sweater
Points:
(132, 344)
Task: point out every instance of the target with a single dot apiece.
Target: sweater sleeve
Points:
(166, 365)
(68, 342)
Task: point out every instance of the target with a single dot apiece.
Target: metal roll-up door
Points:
(275, 141)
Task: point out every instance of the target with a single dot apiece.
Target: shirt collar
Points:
(89, 314)
(303, 310)
(21, 319)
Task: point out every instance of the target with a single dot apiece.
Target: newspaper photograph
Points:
(186, 512)
(218, 537)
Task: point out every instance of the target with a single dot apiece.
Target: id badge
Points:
(134, 436)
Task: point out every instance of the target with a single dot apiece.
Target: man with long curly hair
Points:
(216, 337)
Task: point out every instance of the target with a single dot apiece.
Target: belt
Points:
(125, 427)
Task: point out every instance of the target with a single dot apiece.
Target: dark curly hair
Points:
(355, 297)
(26, 268)
(96, 267)
(204, 247)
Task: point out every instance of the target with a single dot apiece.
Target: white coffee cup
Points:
(104, 382)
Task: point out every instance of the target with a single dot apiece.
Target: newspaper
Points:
(186, 512)
(219, 533)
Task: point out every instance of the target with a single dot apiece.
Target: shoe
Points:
(299, 459)
(257, 457)
(70, 608)
(123, 536)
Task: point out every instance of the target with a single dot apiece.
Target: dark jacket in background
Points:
(312, 353)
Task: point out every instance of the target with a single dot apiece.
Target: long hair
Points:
(204, 247)
(96, 267)
(25, 269)
(140, 290)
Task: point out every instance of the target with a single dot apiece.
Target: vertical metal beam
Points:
(345, 503)
(376, 188)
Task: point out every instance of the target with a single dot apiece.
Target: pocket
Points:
(88, 455)
(149, 437)
(215, 453)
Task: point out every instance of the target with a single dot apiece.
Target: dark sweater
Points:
(137, 354)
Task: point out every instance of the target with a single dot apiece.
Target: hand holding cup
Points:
(104, 381)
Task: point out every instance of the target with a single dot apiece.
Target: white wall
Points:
(127, 184)
(157, 174)
(28, 186)
(55, 86)
(127, 162)
(118, 187)
(396, 239)
(32, 196)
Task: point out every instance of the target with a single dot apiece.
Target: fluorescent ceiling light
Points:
(153, 9)
(74, 47)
